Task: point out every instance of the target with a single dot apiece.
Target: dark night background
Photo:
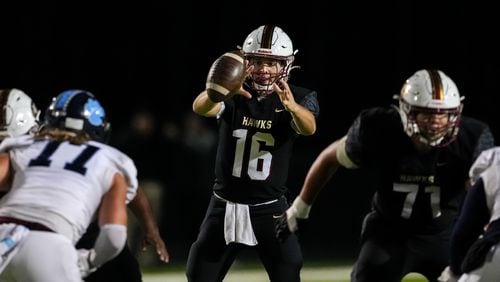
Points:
(153, 56)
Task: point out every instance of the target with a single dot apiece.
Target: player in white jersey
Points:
(20, 116)
(475, 241)
(58, 179)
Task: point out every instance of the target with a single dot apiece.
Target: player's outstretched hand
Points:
(154, 239)
(291, 221)
(285, 94)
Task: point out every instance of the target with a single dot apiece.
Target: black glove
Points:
(283, 230)
(292, 220)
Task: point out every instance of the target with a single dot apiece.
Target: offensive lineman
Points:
(417, 157)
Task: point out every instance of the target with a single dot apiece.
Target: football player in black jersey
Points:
(257, 130)
(417, 157)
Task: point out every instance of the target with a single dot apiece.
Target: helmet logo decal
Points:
(94, 112)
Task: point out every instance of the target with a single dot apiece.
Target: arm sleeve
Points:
(109, 243)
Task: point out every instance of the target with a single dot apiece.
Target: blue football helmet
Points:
(78, 111)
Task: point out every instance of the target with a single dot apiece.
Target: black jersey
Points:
(421, 191)
(255, 146)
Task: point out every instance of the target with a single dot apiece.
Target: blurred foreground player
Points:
(475, 249)
(57, 182)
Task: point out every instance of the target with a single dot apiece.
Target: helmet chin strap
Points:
(263, 90)
(426, 141)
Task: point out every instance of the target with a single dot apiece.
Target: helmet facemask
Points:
(430, 107)
(271, 52)
(266, 72)
(423, 130)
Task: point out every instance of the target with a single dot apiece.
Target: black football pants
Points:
(389, 252)
(210, 258)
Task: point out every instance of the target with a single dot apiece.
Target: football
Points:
(225, 76)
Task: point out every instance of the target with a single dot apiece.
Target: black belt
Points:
(28, 224)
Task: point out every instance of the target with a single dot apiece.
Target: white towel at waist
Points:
(237, 225)
(237, 222)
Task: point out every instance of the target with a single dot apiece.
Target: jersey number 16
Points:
(259, 164)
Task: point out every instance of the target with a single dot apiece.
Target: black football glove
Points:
(291, 220)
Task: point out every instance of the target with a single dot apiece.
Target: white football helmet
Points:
(432, 92)
(269, 42)
(19, 115)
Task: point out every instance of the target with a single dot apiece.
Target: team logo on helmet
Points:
(94, 112)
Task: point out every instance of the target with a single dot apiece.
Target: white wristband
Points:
(301, 208)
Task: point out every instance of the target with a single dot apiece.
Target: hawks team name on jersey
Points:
(257, 123)
(427, 179)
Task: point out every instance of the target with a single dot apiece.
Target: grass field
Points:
(251, 273)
